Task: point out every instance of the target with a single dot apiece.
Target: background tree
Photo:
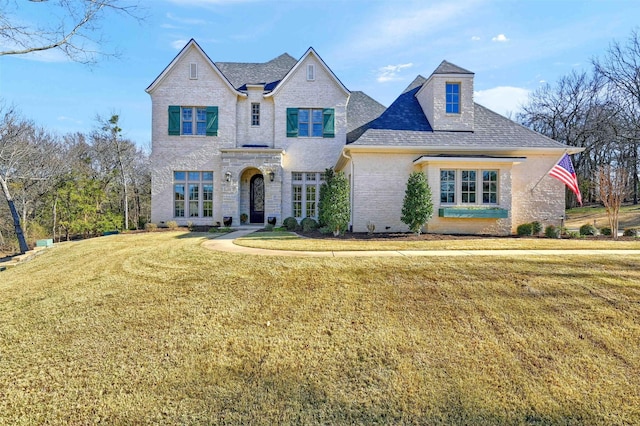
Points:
(417, 207)
(613, 186)
(69, 26)
(334, 207)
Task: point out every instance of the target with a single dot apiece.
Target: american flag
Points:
(565, 173)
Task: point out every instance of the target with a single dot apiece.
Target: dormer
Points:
(447, 98)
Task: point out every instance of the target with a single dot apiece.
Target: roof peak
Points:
(447, 67)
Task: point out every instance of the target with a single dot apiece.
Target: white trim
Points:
(468, 160)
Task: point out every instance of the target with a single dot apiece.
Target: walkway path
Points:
(225, 243)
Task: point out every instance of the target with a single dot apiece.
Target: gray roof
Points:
(361, 110)
(268, 73)
(404, 124)
(446, 67)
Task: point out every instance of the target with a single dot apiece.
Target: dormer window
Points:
(311, 72)
(453, 98)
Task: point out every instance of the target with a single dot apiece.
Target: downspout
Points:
(353, 182)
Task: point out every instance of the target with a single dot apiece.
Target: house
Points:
(252, 140)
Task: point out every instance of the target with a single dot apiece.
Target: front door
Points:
(256, 205)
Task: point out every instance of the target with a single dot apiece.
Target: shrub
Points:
(524, 229)
(325, 230)
(588, 229)
(150, 227)
(172, 224)
(573, 234)
(290, 223)
(268, 227)
(309, 224)
(190, 226)
(630, 232)
(417, 207)
(605, 231)
(334, 208)
(536, 228)
(551, 232)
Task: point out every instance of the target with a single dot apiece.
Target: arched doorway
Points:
(256, 199)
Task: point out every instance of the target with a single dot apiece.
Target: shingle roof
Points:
(446, 67)
(361, 109)
(404, 124)
(269, 73)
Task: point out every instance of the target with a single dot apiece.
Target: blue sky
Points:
(372, 45)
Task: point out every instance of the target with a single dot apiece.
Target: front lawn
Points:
(155, 329)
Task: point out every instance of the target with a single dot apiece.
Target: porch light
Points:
(272, 176)
(227, 176)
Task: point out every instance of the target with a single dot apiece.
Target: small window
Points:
(447, 186)
(489, 187)
(255, 114)
(311, 72)
(453, 98)
(193, 71)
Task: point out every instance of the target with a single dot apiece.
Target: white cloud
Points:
(504, 100)
(69, 119)
(390, 72)
(475, 38)
(187, 21)
(500, 38)
(178, 44)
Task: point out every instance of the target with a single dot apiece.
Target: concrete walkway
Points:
(225, 243)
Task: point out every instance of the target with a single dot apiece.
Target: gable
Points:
(181, 63)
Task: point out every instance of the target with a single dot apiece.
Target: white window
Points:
(310, 122)
(193, 194)
(255, 114)
(311, 72)
(194, 121)
(468, 186)
(306, 193)
(193, 71)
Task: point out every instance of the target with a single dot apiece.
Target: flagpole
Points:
(550, 168)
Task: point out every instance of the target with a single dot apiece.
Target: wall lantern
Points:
(227, 176)
(272, 176)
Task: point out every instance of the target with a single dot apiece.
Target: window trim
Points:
(311, 72)
(451, 103)
(193, 71)
(255, 114)
(479, 187)
(304, 180)
(186, 180)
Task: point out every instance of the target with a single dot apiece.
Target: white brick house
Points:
(231, 140)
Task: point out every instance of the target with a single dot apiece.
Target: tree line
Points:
(599, 110)
(75, 185)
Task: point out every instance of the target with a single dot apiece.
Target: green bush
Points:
(605, 231)
(290, 223)
(551, 232)
(536, 228)
(309, 224)
(588, 229)
(172, 224)
(417, 207)
(268, 227)
(150, 227)
(630, 232)
(524, 229)
(325, 230)
(573, 234)
(334, 209)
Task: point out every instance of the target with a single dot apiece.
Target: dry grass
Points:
(288, 241)
(629, 216)
(152, 328)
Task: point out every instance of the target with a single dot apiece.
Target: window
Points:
(200, 121)
(310, 122)
(255, 114)
(199, 194)
(469, 190)
(453, 98)
(311, 72)
(306, 193)
(193, 71)
(447, 186)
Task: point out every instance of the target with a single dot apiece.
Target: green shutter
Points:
(292, 122)
(174, 120)
(328, 123)
(212, 121)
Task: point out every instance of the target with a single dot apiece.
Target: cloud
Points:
(69, 119)
(501, 38)
(187, 21)
(390, 72)
(393, 26)
(504, 100)
(475, 38)
(179, 44)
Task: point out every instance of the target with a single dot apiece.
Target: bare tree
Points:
(75, 31)
(621, 68)
(613, 186)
